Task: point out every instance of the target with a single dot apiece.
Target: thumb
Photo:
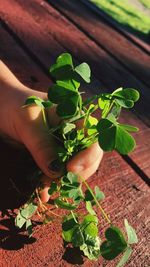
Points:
(34, 133)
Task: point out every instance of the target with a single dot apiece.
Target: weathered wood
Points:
(49, 27)
(52, 26)
(126, 194)
(119, 47)
(112, 23)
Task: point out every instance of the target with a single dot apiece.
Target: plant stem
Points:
(73, 215)
(101, 209)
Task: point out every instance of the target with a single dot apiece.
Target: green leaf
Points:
(68, 107)
(68, 228)
(63, 68)
(125, 103)
(107, 134)
(57, 93)
(19, 220)
(128, 128)
(91, 247)
(77, 236)
(29, 227)
(64, 205)
(47, 104)
(88, 195)
(132, 237)
(68, 127)
(53, 188)
(89, 208)
(112, 136)
(73, 178)
(125, 143)
(128, 93)
(114, 245)
(98, 193)
(89, 225)
(38, 101)
(28, 210)
(84, 71)
(125, 257)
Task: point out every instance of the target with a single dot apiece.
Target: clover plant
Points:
(82, 230)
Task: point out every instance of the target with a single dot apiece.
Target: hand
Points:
(26, 125)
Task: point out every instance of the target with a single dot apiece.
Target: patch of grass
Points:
(145, 3)
(126, 14)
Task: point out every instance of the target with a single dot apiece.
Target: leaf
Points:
(125, 257)
(68, 107)
(19, 220)
(125, 103)
(107, 134)
(114, 244)
(68, 228)
(125, 143)
(53, 188)
(38, 101)
(58, 93)
(88, 195)
(68, 127)
(84, 71)
(128, 128)
(28, 210)
(89, 225)
(77, 236)
(112, 136)
(132, 237)
(29, 227)
(63, 68)
(64, 205)
(91, 247)
(98, 193)
(128, 93)
(73, 178)
(89, 208)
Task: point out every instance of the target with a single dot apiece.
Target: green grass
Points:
(145, 3)
(126, 14)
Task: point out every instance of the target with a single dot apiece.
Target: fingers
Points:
(86, 162)
(35, 135)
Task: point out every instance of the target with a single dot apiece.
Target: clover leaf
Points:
(114, 136)
(68, 227)
(84, 71)
(132, 237)
(91, 247)
(125, 257)
(114, 245)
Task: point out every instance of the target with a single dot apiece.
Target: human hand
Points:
(26, 126)
(35, 135)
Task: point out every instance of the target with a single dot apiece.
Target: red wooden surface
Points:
(35, 33)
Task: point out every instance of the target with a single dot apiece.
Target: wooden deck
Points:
(32, 34)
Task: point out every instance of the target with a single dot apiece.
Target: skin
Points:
(26, 126)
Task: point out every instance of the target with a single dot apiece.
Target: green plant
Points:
(67, 193)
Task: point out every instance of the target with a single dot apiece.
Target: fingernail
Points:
(55, 166)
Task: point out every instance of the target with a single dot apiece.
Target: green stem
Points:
(101, 209)
(44, 117)
(73, 215)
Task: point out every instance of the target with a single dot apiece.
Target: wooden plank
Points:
(49, 25)
(60, 29)
(82, 47)
(111, 22)
(115, 177)
(131, 57)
